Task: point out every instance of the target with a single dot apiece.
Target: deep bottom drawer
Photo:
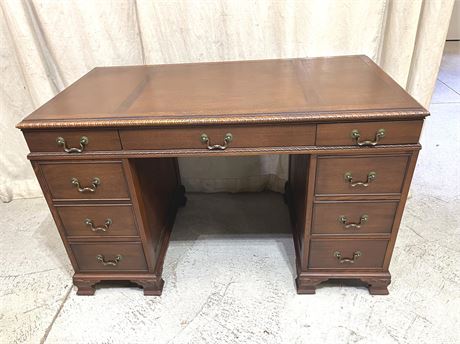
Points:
(109, 256)
(347, 254)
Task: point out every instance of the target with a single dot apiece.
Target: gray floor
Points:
(229, 270)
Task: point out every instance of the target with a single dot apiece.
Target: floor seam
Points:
(452, 89)
(48, 329)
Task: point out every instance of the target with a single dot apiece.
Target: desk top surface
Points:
(264, 91)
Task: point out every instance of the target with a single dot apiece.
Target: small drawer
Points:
(109, 256)
(360, 174)
(353, 217)
(368, 133)
(72, 141)
(347, 254)
(85, 180)
(202, 137)
(98, 220)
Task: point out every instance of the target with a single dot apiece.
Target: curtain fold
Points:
(47, 45)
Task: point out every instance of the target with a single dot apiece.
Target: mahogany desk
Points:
(105, 153)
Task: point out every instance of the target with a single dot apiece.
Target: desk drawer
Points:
(242, 137)
(109, 256)
(98, 220)
(398, 132)
(360, 174)
(347, 254)
(353, 217)
(85, 180)
(72, 140)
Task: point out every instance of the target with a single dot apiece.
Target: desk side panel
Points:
(155, 183)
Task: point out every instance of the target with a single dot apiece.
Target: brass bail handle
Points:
(344, 220)
(370, 178)
(352, 260)
(103, 228)
(355, 135)
(94, 184)
(106, 262)
(83, 143)
(204, 138)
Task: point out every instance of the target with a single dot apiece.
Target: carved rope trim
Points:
(224, 119)
(233, 151)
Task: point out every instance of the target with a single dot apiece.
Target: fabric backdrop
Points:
(47, 45)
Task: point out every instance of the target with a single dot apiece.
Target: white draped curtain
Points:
(48, 44)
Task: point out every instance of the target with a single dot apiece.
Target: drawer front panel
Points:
(96, 140)
(109, 256)
(353, 217)
(242, 137)
(402, 132)
(65, 179)
(347, 254)
(98, 221)
(337, 175)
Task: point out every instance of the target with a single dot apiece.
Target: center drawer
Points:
(241, 137)
(85, 180)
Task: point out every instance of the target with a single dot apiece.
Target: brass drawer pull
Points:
(370, 177)
(344, 220)
(83, 143)
(94, 184)
(103, 228)
(113, 262)
(341, 260)
(380, 134)
(227, 139)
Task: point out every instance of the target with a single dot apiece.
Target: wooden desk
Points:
(105, 153)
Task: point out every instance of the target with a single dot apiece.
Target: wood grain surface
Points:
(227, 92)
